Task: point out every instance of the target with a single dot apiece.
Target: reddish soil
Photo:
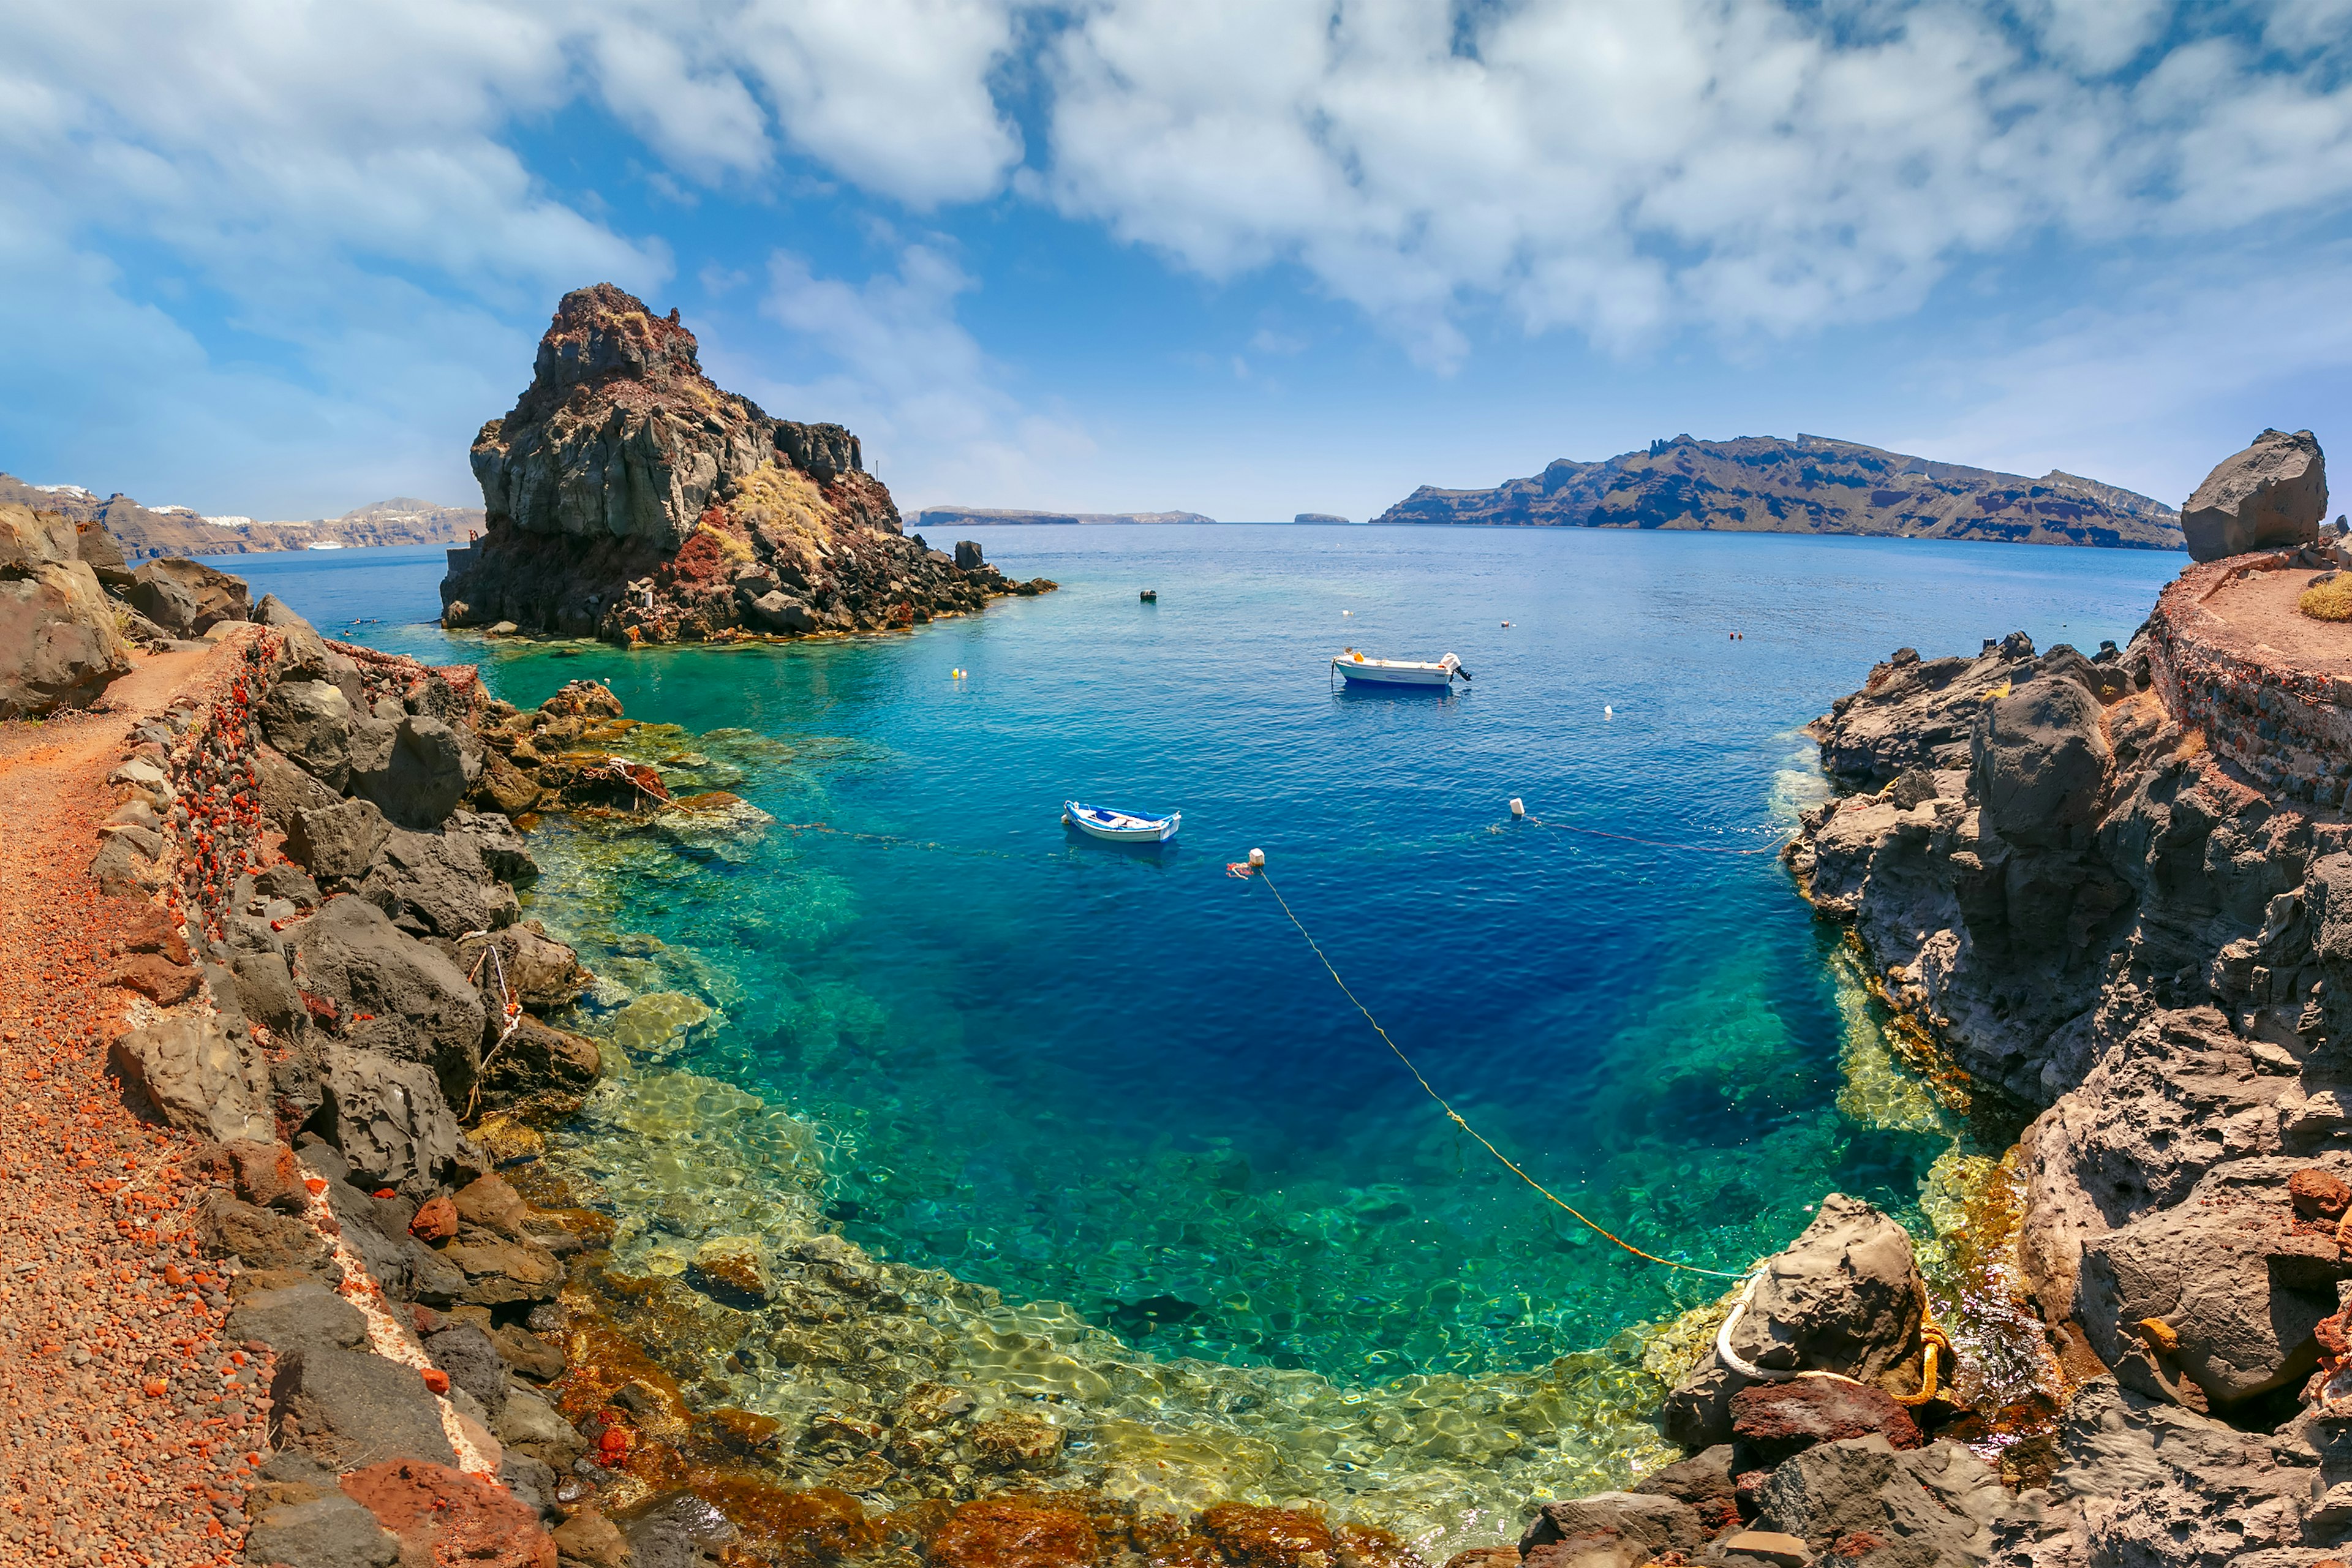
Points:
(122, 1443)
(2259, 621)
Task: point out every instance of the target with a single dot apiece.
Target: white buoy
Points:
(1518, 807)
(1257, 857)
(1607, 711)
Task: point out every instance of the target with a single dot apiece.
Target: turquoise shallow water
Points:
(1119, 1078)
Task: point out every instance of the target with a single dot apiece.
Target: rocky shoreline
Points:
(457, 1352)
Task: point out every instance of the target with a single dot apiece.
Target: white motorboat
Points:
(1121, 826)
(1360, 669)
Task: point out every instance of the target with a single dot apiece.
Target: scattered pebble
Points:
(123, 1442)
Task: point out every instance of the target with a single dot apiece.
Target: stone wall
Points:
(2289, 729)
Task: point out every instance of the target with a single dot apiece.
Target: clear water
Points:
(1119, 1078)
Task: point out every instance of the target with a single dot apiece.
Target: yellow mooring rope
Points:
(1455, 1115)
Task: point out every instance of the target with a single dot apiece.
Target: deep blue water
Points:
(1120, 1078)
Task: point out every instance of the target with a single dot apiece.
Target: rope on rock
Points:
(1933, 1343)
(510, 1008)
(1455, 1116)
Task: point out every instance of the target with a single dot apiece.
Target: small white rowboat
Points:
(1397, 671)
(1121, 826)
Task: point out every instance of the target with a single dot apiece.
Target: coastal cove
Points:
(1077, 1075)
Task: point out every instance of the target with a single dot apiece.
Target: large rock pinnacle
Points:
(629, 495)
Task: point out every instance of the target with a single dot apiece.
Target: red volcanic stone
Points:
(265, 1174)
(1775, 1420)
(144, 928)
(1267, 1537)
(1005, 1533)
(2317, 1193)
(437, 1220)
(445, 1516)
(1484, 1557)
(154, 976)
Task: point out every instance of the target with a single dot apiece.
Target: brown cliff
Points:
(144, 532)
(629, 496)
(1763, 484)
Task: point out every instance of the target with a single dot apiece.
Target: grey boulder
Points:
(266, 994)
(349, 1410)
(541, 973)
(1845, 1297)
(2141, 1480)
(529, 1422)
(2227, 1270)
(2039, 761)
(390, 1120)
(286, 789)
(423, 1008)
(336, 843)
(311, 722)
(417, 769)
(2274, 494)
(59, 643)
(434, 884)
(326, 1529)
(466, 1353)
(197, 1078)
(188, 598)
(298, 1316)
(1933, 1508)
(779, 612)
(1653, 1523)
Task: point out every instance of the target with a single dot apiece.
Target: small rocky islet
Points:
(2096, 890)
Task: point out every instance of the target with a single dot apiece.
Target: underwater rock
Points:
(730, 1270)
(652, 1027)
(1016, 1532)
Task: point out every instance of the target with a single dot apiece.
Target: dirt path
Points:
(117, 1442)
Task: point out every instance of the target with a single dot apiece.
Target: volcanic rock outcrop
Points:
(2119, 888)
(2271, 496)
(59, 643)
(629, 496)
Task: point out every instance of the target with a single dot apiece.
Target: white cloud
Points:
(888, 358)
(1624, 167)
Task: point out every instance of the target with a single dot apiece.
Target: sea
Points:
(1213, 1115)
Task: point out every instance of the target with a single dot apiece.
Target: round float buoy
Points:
(1257, 858)
(1518, 807)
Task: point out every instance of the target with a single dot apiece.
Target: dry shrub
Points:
(2329, 599)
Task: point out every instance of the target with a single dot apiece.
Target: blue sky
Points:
(282, 259)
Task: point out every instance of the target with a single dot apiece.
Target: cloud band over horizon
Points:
(277, 257)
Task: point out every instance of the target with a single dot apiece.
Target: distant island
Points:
(1765, 484)
(1319, 517)
(982, 516)
(144, 531)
